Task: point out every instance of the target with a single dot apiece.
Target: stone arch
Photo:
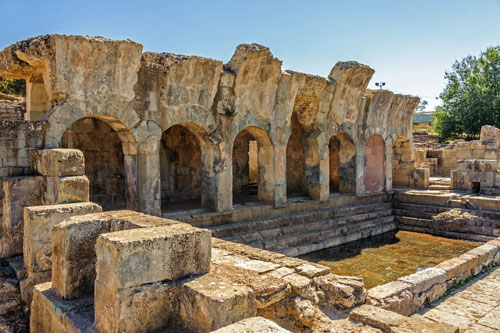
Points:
(62, 116)
(402, 162)
(105, 149)
(253, 160)
(342, 164)
(374, 166)
(295, 178)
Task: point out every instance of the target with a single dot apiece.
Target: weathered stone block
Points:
(464, 154)
(377, 317)
(449, 154)
(67, 189)
(26, 285)
(485, 165)
(219, 302)
(490, 154)
(253, 324)
(417, 323)
(73, 250)
(478, 154)
(145, 308)
(454, 267)
(58, 162)
(134, 257)
(38, 224)
(460, 180)
(421, 177)
(425, 279)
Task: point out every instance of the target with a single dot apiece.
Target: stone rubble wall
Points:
(409, 293)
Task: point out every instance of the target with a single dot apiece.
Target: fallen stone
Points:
(58, 162)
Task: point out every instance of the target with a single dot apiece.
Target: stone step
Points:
(280, 243)
(294, 251)
(466, 229)
(448, 234)
(439, 187)
(233, 229)
(317, 225)
(490, 218)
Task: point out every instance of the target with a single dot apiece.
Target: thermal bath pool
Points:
(387, 257)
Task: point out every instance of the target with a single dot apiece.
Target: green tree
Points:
(12, 86)
(471, 97)
(422, 105)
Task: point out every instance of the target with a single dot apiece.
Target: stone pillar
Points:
(147, 135)
(216, 192)
(388, 165)
(360, 170)
(279, 174)
(316, 165)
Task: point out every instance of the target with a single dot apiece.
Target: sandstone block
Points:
(454, 267)
(73, 250)
(38, 224)
(478, 154)
(460, 180)
(377, 317)
(466, 165)
(417, 323)
(58, 162)
(464, 154)
(485, 165)
(253, 324)
(425, 279)
(67, 189)
(146, 308)
(490, 154)
(219, 302)
(134, 257)
(449, 154)
(343, 291)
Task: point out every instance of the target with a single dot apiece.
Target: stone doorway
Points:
(180, 169)
(342, 164)
(252, 167)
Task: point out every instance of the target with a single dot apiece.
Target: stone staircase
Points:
(439, 183)
(298, 233)
(412, 214)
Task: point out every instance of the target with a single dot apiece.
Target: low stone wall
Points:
(149, 277)
(409, 293)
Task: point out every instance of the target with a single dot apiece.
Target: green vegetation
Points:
(422, 105)
(471, 97)
(12, 87)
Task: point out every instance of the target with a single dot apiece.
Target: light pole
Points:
(380, 84)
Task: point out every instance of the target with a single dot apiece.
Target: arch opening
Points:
(342, 164)
(295, 178)
(104, 160)
(252, 161)
(374, 164)
(180, 169)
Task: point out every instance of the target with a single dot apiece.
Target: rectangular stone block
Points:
(73, 250)
(135, 257)
(67, 189)
(478, 154)
(19, 192)
(58, 162)
(485, 165)
(38, 224)
(425, 279)
(219, 302)
(146, 308)
(465, 165)
(448, 163)
(464, 154)
(491, 154)
(460, 180)
(449, 154)
(497, 179)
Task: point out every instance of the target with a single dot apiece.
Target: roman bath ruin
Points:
(160, 192)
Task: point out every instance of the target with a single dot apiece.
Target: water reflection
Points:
(386, 257)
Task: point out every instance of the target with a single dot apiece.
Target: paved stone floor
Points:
(474, 308)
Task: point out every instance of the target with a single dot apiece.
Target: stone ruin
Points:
(149, 191)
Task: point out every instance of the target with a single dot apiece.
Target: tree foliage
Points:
(422, 105)
(471, 97)
(12, 86)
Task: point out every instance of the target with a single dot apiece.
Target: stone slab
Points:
(377, 317)
(253, 324)
(58, 162)
(425, 279)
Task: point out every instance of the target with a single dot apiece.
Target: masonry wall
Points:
(17, 139)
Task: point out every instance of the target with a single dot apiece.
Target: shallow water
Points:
(387, 257)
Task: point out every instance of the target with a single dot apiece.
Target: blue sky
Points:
(409, 43)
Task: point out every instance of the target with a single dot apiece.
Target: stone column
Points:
(216, 192)
(147, 135)
(279, 181)
(360, 169)
(316, 165)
